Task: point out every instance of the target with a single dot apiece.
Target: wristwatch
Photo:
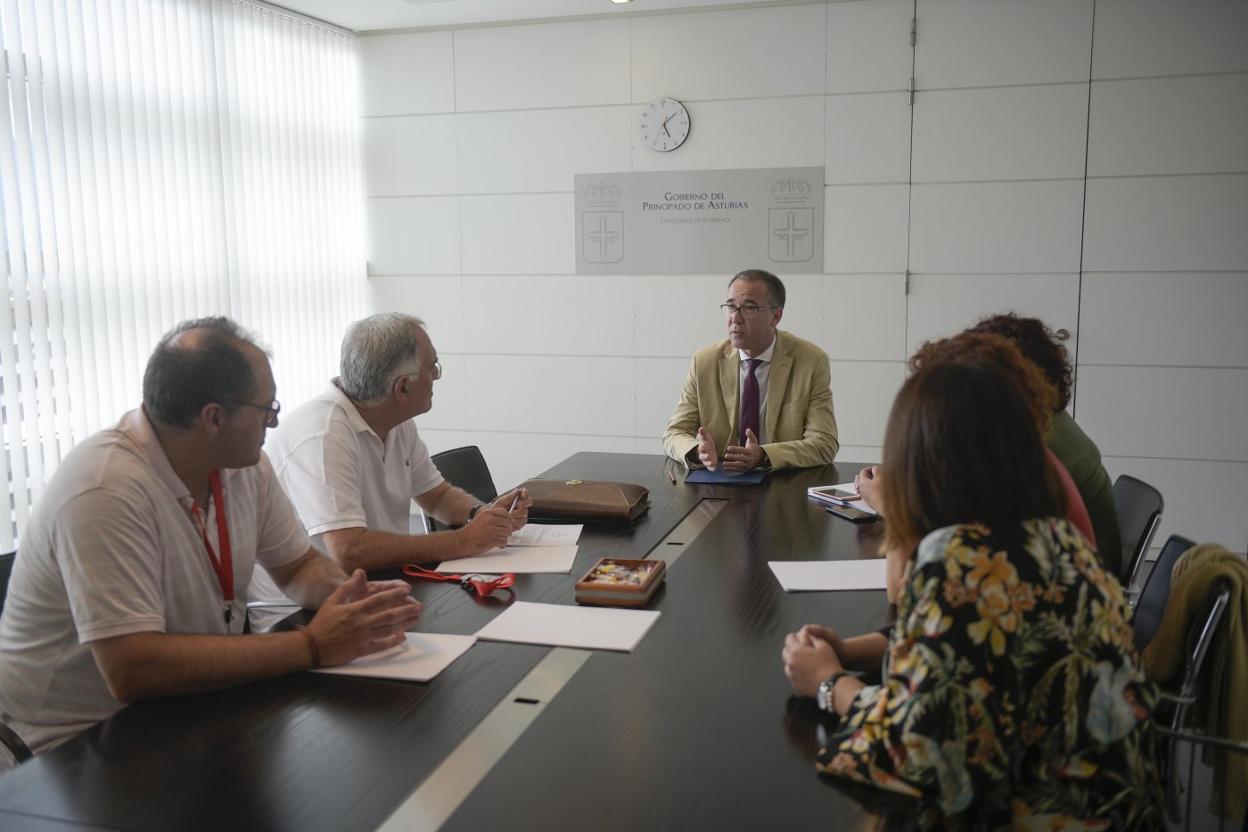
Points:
(824, 697)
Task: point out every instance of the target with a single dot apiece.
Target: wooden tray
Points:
(631, 590)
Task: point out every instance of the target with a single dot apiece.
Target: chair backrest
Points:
(1139, 508)
(465, 468)
(1156, 592)
(1201, 635)
(6, 569)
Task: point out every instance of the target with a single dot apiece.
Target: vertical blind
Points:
(162, 160)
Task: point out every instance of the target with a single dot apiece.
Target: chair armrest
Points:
(1199, 738)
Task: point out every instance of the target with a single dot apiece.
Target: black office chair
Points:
(6, 569)
(1179, 729)
(464, 468)
(1139, 508)
(9, 739)
(1151, 603)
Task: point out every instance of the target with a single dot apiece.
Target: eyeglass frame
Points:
(747, 311)
(437, 372)
(273, 409)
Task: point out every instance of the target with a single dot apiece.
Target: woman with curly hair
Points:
(1065, 438)
(1041, 397)
(1011, 695)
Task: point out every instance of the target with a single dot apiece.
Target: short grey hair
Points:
(375, 351)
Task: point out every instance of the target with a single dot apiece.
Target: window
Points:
(162, 160)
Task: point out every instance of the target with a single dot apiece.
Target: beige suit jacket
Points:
(799, 422)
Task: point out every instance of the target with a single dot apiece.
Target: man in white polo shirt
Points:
(132, 577)
(352, 461)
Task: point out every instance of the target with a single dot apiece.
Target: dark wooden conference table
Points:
(695, 728)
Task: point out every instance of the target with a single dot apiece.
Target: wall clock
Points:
(664, 125)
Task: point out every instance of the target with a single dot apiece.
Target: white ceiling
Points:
(370, 15)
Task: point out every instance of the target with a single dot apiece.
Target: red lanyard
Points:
(223, 566)
(483, 586)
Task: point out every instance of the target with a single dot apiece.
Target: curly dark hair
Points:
(1038, 345)
(970, 347)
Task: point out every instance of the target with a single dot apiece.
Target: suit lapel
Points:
(777, 385)
(730, 384)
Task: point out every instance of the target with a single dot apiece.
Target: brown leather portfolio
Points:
(586, 499)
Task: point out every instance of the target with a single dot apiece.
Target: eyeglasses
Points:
(435, 371)
(747, 311)
(270, 421)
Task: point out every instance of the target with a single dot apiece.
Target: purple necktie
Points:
(749, 399)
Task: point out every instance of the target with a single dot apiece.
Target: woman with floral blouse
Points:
(1011, 695)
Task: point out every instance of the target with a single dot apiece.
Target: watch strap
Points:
(825, 698)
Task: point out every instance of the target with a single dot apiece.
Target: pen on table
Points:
(670, 476)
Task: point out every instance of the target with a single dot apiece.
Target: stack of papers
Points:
(825, 575)
(534, 548)
(828, 495)
(557, 625)
(419, 659)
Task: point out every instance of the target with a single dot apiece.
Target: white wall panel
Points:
(547, 65)
(407, 74)
(944, 305)
(862, 394)
(1204, 500)
(523, 234)
(540, 150)
(1166, 223)
(1192, 320)
(438, 441)
(514, 458)
(410, 156)
(676, 314)
(866, 454)
(1169, 125)
(865, 228)
(566, 394)
(416, 235)
(867, 138)
(1169, 37)
(716, 55)
(993, 42)
(803, 307)
(996, 227)
(437, 300)
(864, 317)
(447, 412)
(658, 382)
(781, 132)
(869, 46)
(1177, 412)
(1005, 133)
(566, 315)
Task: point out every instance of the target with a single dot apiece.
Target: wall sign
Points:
(700, 222)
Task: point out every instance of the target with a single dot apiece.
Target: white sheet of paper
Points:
(558, 625)
(540, 534)
(515, 559)
(422, 657)
(824, 575)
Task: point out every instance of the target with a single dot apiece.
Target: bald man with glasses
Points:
(760, 399)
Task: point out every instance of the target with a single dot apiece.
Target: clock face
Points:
(664, 125)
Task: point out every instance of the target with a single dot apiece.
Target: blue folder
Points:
(701, 476)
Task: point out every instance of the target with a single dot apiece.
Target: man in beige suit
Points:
(762, 395)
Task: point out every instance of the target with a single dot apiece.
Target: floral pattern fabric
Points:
(1012, 695)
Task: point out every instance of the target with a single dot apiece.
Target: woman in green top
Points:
(1065, 438)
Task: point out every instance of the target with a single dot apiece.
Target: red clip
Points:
(483, 585)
